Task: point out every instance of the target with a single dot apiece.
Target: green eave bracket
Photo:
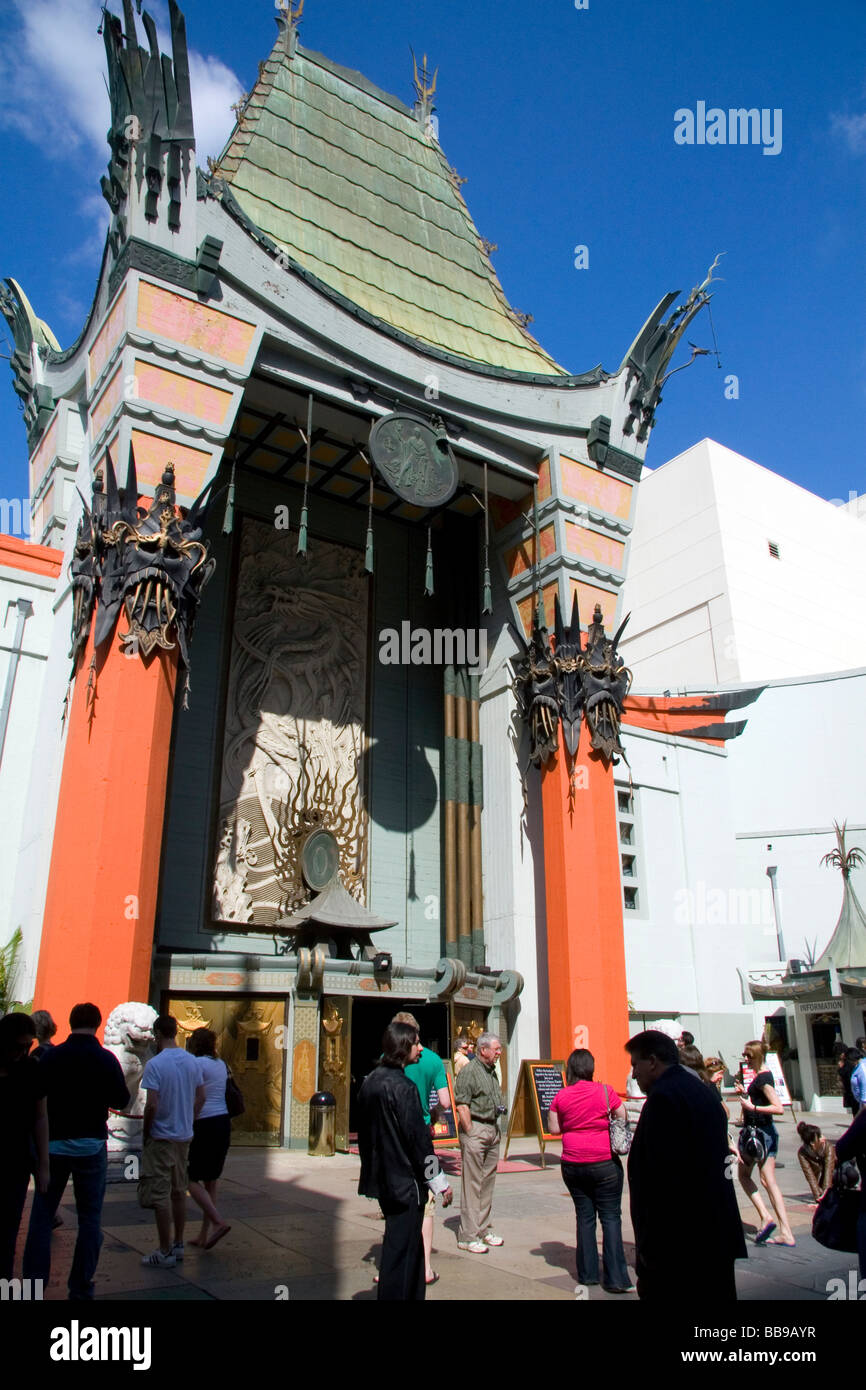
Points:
(605, 455)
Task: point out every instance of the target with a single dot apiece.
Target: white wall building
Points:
(28, 581)
(736, 574)
(724, 593)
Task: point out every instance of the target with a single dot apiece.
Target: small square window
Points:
(626, 833)
(624, 802)
(774, 549)
(630, 899)
(628, 865)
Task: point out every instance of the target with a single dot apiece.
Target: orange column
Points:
(100, 909)
(585, 946)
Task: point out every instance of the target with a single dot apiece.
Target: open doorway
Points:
(370, 1018)
(826, 1031)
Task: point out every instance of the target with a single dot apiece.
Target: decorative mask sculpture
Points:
(606, 682)
(162, 566)
(84, 566)
(568, 673)
(153, 564)
(536, 692)
(568, 682)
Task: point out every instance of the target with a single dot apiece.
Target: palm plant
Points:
(841, 859)
(8, 971)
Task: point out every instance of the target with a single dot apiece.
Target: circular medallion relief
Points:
(414, 459)
(320, 859)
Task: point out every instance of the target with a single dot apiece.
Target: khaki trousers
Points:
(480, 1153)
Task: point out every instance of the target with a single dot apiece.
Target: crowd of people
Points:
(54, 1106)
(684, 1132)
(681, 1156)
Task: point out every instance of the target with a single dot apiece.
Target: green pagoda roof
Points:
(348, 181)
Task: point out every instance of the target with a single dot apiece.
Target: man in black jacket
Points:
(852, 1145)
(83, 1081)
(398, 1164)
(687, 1226)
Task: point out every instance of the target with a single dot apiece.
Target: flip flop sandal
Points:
(764, 1234)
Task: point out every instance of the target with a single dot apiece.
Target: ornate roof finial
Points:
(425, 90)
(288, 21)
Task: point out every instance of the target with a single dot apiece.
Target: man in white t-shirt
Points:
(174, 1082)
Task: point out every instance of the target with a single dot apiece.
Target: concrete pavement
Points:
(300, 1231)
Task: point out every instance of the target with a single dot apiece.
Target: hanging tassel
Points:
(428, 573)
(486, 596)
(302, 529)
(229, 518)
(539, 601)
(368, 554)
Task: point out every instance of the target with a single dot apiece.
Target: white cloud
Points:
(214, 89)
(853, 131)
(52, 83)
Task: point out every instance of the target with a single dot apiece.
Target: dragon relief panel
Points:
(294, 730)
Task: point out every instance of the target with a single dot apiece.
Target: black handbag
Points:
(752, 1144)
(234, 1096)
(834, 1224)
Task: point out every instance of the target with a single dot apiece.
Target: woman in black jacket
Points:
(398, 1164)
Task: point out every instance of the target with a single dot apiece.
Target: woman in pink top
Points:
(592, 1174)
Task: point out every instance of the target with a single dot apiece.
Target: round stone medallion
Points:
(414, 459)
(320, 859)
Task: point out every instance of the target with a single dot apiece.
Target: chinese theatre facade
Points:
(326, 471)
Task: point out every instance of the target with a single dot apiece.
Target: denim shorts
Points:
(771, 1139)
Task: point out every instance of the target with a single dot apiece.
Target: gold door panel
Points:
(251, 1038)
(335, 1047)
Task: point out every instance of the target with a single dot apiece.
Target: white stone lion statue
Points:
(129, 1035)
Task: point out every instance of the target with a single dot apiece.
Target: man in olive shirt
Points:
(479, 1104)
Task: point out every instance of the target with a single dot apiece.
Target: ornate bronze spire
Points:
(425, 90)
(288, 22)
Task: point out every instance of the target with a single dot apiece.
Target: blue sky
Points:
(562, 121)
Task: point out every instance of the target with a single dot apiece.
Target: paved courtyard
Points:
(300, 1230)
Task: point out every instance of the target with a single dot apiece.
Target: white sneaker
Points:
(475, 1247)
(158, 1260)
(491, 1238)
(177, 1250)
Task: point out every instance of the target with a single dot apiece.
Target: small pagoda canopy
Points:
(335, 920)
(841, 966)
(353, 186)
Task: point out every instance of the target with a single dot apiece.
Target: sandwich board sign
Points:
(537, 1084)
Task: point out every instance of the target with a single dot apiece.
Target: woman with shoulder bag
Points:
(211, 1136)
(593, 1174)
(759, 1143)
